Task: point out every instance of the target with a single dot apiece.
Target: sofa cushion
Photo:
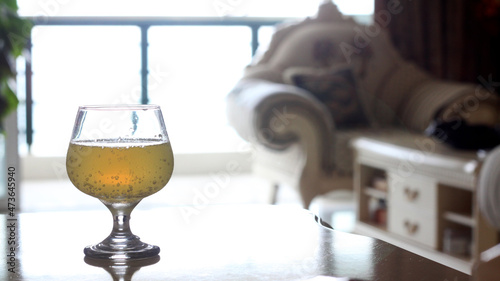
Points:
(336, 89)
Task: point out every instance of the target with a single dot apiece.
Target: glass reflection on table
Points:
(122, 270)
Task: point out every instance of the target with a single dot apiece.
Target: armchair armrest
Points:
(260, 109)
(276, 116)
(265, 113)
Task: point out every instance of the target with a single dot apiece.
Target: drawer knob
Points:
(411, 195)
(412, 228)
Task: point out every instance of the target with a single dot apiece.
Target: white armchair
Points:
(296, 139)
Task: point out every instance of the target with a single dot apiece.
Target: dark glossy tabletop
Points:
(225, 242)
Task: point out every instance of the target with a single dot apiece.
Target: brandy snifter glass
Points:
(120, 154)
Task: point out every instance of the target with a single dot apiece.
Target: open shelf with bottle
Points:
(373, 195)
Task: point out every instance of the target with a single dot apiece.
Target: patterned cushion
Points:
(336, 89)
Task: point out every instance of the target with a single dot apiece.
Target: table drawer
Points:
(412, 225)
(415, 192)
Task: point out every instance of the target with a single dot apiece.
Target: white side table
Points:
(419, 194)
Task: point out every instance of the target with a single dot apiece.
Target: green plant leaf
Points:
(12, 4)
(8, 99)
(14, 35)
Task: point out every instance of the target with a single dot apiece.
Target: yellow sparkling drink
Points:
(120, 173)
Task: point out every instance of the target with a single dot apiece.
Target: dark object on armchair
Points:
(461, 135)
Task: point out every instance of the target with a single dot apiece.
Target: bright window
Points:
(190, 79)
(75, 65)
(162, 8)
(191, 68)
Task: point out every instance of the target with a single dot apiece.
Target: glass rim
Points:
(119, 107)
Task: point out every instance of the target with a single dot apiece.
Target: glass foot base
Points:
(121, 250)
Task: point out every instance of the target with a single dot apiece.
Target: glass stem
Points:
(121, 244)
(121, 219)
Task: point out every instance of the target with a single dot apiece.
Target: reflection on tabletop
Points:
(122, 270)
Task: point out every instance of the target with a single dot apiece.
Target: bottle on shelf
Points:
(379, 212)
